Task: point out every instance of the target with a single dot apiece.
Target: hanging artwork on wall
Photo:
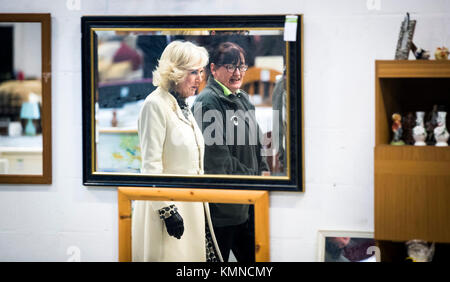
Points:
(257, 144)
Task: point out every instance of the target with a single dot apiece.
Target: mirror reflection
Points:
(190, 102)
(20, 98)
(192, 232)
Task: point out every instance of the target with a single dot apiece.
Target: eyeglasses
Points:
(232, 68)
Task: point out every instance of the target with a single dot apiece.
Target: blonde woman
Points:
(172, 143)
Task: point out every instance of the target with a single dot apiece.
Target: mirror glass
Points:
(21, 141)
(192, 232)
(124, 60)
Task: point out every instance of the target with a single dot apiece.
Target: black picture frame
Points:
(294, 178)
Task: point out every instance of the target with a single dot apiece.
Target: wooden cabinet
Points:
(412, 184)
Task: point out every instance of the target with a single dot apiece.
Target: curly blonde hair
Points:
(177, 59)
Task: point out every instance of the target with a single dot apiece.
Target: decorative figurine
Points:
(419, 132)
(420, 251)
(440, 132)
(420, 53)
(114, 121)
(397, 129)
(430, 124)
(441, 53)
(408, 123)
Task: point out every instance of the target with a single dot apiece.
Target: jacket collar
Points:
(218, 91)
(225, 89)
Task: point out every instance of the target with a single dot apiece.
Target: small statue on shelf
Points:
(419, 53)
(430, 124)
(440, 132)
(419, 132)
(441, 53)
(397, 130)
(420, 251)
(422, 54)
(408, 124)
(114, 121)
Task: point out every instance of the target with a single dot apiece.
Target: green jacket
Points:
(226, 150)
(232, 152)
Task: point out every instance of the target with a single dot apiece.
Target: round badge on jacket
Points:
(234, 119)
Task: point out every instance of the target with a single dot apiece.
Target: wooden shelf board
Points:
(413, 153)
(412, 69)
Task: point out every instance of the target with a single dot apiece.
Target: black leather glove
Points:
(175, 225)
(173, 221)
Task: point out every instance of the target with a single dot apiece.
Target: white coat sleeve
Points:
(152, 134)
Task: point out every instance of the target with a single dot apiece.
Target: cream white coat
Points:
(170, 144)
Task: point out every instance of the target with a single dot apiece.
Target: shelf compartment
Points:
(408, 86)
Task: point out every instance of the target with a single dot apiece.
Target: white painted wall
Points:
(342, 39)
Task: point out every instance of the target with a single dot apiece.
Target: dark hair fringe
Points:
(227, 53)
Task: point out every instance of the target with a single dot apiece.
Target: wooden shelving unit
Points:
(412, 184)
